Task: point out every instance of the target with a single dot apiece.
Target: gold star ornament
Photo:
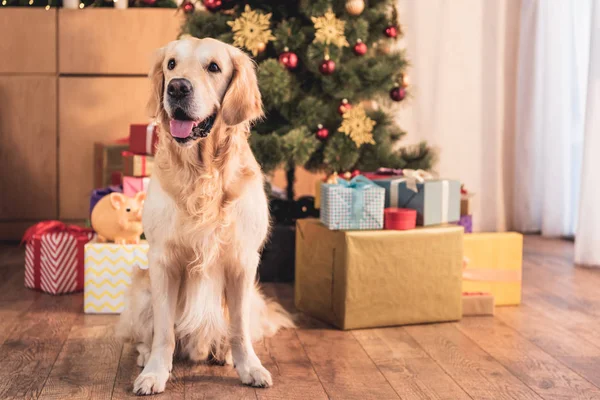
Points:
(251, 30)
(358, 126)
(329, 30)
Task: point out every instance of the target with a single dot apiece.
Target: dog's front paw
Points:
(150, 382)
(256, 376)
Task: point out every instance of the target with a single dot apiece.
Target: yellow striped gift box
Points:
(107, 274)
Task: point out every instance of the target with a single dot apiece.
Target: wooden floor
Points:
(548, 348)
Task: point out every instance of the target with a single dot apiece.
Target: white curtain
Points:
(587, 239)
(551, 93)
(463, 56)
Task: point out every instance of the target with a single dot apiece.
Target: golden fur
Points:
(206, 219)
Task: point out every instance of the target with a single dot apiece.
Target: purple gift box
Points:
(97, 194)
(466, 221)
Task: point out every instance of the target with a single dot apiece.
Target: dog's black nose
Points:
(179, 88)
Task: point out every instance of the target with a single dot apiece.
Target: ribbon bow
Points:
(489, 275)
(45, 227)
(388, 171)
(359, 183)
(415, 176)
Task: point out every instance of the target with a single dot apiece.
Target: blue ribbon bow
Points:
(359, 183)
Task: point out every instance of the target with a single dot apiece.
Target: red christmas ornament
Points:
(322, 133)
(356, 172)
(327, 66)
(288, 59)
(212, 5)
(391, 31)
(360, 49)
(188, 7)
(344, 106)
(149, 2)
(398, 93)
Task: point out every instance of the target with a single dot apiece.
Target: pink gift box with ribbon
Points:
(133, 185)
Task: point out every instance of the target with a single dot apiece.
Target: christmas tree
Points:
(324, 69)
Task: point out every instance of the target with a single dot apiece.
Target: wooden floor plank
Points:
(541, 372)
(31, 348)
(478, 373)
(293, 374)
(128, 370)
(210, 382)
(412, 373)
(343, 367)
(15, 299)
(572, 350)
(73, 375)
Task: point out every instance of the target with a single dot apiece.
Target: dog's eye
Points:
(213, 67)
(171, 64)
(128, 209)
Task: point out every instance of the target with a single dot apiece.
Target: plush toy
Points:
(118, 218)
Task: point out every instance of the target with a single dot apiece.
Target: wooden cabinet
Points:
(27, 41)
(91, 110)
(68, 78)
(27, 148)
(109, 41)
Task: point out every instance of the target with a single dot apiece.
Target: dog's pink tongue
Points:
(181, 129)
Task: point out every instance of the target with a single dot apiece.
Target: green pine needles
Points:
(297, 100)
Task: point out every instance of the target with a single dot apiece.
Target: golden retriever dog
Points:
(205, 217)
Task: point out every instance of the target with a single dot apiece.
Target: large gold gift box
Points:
(362, 279)
(493, 264)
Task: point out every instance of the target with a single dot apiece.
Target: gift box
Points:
(137, 165)
(399, 218)
(54, 257)
(97, 194)
(493, 264)
(143, 138)
(465, 201)
(364, 279)
(354, 204)
(116, 178)
(477, 303)
(437, 201)
(133, 185)
(108, 269)
(466, 221)
(107, 160)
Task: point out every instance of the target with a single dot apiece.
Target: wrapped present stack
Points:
(390, 249)
(116, 217)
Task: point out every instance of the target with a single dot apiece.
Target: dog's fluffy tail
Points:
(268, 316)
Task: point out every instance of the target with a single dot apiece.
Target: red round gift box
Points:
(400, 219)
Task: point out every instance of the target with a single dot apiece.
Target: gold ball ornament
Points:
(355, 7)
(261, 47)
(384, 47)
(370, 105)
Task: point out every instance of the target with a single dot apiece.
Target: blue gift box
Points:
(437, 201)
(357, 204)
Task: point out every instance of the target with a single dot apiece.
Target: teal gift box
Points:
(355, 204)
(437, 201)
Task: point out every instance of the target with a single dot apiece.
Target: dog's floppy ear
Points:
(157, 78)
(242, 100)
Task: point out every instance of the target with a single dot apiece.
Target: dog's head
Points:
(197, 81)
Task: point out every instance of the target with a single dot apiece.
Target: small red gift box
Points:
(143, 139)
(54, 257)
(399, 219)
